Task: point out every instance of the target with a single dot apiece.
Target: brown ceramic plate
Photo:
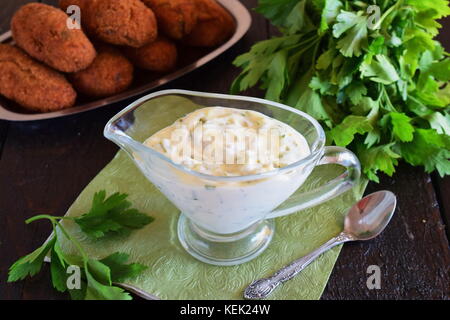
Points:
(191, 59)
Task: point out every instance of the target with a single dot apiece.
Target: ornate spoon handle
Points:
(261, 288)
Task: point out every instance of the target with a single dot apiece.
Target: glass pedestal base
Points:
(228, 249)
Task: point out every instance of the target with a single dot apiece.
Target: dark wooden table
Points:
(45, 165)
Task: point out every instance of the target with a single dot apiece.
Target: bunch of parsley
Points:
(107, 216)
(378, 85)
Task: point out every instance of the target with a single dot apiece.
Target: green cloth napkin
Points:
(174, 274)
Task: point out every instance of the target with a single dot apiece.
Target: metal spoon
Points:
(365, 220)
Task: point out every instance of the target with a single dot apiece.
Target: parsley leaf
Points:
(277, 10)
(440, 122)
(401, 125)
(30, 264)
(324, 87)
(329, 13)
(356, 91)
(440, 7)
(356, 39)
(298, 20)
(111, 215)
(380, 158)
(98, 291)
(311, 103)
(277, 73)
(58, 268)
(119, 270)
(379, 70)
(440, 70)
(429, 149)
(344, 133)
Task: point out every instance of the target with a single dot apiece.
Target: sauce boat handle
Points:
(337, 186)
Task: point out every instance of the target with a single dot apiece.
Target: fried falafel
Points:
(158, 56)
(31, 84)
(41, 31)
(176, 18)
(109, 74)
(120, 22)
(215, 25)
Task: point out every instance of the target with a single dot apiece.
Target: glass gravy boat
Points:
(226, 220)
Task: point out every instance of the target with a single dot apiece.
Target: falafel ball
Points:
(110, 73)
(120, 22)
(215, 25)
(31, 84)
(158, 56)
(41, 30)
(176, 18)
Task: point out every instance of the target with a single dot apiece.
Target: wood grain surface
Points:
(45, 165)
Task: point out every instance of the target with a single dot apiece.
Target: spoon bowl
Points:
(368, 217)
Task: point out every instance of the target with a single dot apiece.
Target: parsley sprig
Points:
(379, 86)
(106, 216)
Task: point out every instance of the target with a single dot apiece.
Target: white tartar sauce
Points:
(230, 142)
(222, 142)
